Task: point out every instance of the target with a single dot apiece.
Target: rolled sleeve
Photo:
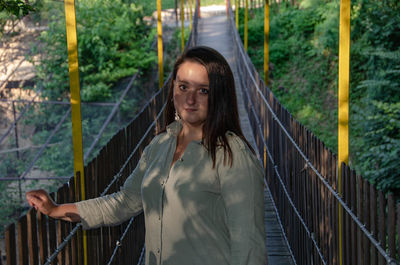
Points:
(115, 208)
(242, 188)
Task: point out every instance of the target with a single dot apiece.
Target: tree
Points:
(18, 8)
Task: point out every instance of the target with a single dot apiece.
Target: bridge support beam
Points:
(73, 67)
(182, 26)
(266, 41)
(160, 46)
(246, 18)
(343, 104)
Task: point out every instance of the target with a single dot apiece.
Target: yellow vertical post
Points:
(72, 44)
(198, 8)
(160, 46)
(237, 14)
(266, 41)
(190, 15)
(343, 104)
(245, 24)
(182, 27)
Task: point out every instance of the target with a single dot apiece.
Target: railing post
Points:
(72, 43)
(182, 27)
(198, 8)
(237, 14)
(22, 242)
(266, 41)
(245, 24)
(11, 251)
(190, 15)
(343, 111)
(33, 247)
(160, 46)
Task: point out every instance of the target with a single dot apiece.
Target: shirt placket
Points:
(163, 182)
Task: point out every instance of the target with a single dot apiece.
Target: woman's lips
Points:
(190, 110)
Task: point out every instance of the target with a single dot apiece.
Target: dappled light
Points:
(155, 208)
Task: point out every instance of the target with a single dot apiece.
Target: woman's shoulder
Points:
(156, 143)
(243, 156)
(236, 143)
(239, 147)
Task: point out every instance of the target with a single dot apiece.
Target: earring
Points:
(177, 117)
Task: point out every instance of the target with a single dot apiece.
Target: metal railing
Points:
(302, 176)
(51, 241)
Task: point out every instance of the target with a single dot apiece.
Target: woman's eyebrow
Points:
(194, 83)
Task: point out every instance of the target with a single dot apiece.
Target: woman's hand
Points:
(41, 201)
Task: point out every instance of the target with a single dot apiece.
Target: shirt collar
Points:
(175, 127)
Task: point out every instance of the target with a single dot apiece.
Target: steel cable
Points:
(377, 245)
(38, 154)
(118, 175)
(115, 178)
(20, 116)
(190, 42)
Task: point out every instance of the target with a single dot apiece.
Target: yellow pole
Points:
(72, 44)
(160, 46)
(182, 27)
(343, 104)
(245, 24)
(266, 42)
(237, 14)
(190, 15)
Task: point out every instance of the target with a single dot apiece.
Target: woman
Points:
(198, 182)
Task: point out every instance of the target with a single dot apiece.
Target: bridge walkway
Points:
(214, 32)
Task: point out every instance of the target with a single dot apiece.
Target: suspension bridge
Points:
(302, 198)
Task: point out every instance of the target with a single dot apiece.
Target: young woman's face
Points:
(191, 88)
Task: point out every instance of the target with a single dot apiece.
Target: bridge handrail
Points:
(245, 61)
(119, 144)
(192, 40)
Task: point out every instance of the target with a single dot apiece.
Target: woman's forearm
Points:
(66, 212)
(42, 202)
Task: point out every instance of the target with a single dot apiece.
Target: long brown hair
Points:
(222, 115)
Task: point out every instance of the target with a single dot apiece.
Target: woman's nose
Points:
(191, 97)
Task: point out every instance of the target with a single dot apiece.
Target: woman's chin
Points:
(193, 122)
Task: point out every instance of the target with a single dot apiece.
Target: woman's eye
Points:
(204, 90)
(182, 87)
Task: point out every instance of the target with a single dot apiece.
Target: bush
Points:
(304, 43)
(378, 119)
(113, 42)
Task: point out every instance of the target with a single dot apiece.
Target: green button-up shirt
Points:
(194, 213)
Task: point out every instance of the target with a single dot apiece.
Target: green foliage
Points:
(113, 42)
(17, 8)
(304, 43)
(12, 11)
(379, 156)
(376, 34)
(378, 119)
(302, 62)
(10, 205)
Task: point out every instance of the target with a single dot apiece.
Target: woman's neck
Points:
(190, 133)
